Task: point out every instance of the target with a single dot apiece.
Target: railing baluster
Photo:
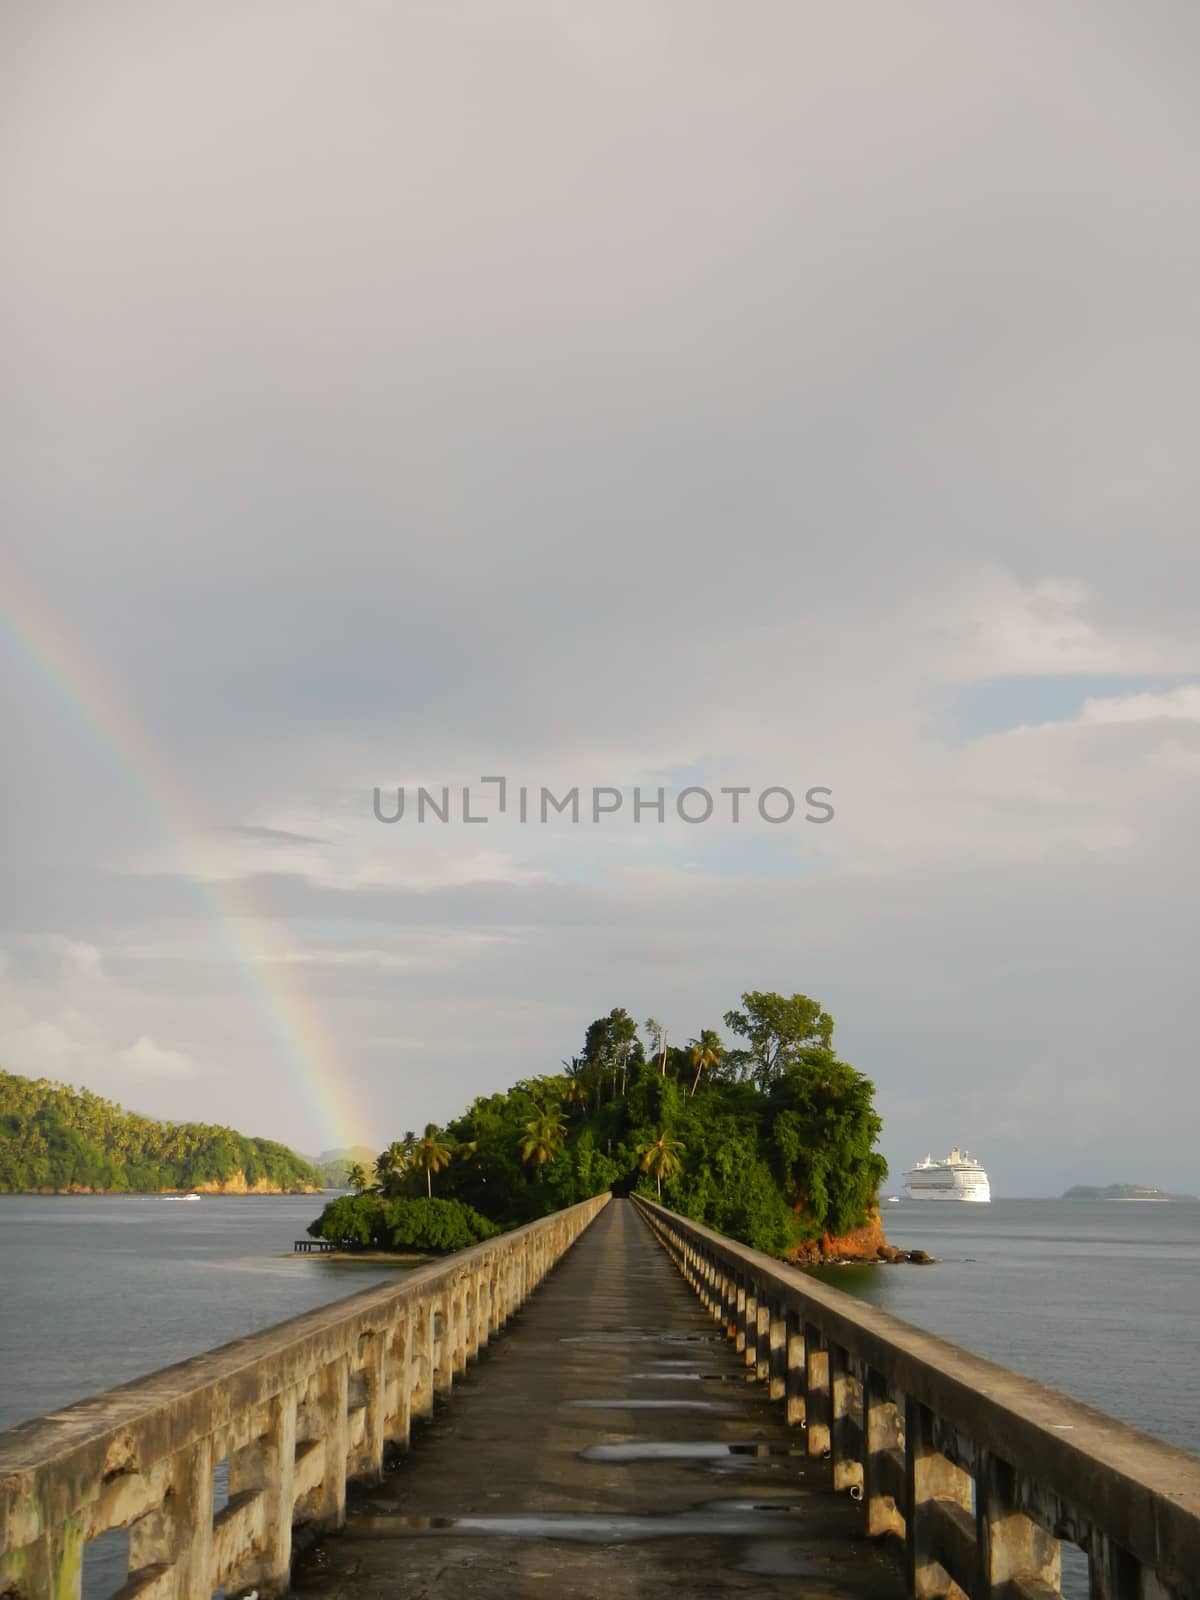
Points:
(797, 1370)
(934, 1486)
(1009, 1545)
(748, 1332)
(846, 1431)
(777, 1341)
(279, 1479)
(817, 1408)
(178, 1532)
(883, 1458)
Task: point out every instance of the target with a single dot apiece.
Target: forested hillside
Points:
(56, 1138)
(771, 1140)
(335, 1166)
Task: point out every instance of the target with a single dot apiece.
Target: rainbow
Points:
(79, 683)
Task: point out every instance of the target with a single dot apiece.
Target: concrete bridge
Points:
(669, 1413)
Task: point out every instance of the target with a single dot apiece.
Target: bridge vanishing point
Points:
(765, 1434)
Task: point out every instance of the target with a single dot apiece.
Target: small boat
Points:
(892, 1199)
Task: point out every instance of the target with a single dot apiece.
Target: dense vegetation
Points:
(57, 1138)
(398, 1224)
(771, 1141)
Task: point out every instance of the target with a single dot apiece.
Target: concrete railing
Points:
(980, 1474)
(297, 1411)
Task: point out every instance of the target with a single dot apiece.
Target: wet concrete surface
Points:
(548, 1472)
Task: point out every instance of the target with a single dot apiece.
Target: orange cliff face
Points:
(236, 1184)
(861, 1244)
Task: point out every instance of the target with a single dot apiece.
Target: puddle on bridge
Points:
(649, 1405)
(690, 1450)
(734, 1518)
(689, 1361)
(642, 1336)
(694, 1377)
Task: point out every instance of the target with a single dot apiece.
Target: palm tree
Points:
(430, 1155)
(357, 1178)
(705, 1053)
(543, 1140)
(575, 1094)
(392, 1165)
(661, 1159)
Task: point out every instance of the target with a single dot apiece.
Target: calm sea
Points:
(1100, 1299)
(96, 1290)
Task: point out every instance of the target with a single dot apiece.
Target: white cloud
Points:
(1181, 704)
(145, 1057)
(62, 1016)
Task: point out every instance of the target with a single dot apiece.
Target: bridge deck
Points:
(607, 1444)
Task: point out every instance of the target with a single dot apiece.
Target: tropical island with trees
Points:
(771, 1141)
(58, 1140)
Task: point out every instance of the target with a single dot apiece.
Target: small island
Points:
(1123, 1191)
(771, 1141)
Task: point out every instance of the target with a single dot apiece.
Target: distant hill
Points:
(1121, 1191)
(334, 1165)
(59, 1140)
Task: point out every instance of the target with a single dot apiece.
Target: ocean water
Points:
(97, 1290)
(1100, 1299)
(1097, 1298)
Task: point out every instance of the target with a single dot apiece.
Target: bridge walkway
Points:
(607, 1445)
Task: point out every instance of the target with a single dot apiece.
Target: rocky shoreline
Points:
(865, 1246)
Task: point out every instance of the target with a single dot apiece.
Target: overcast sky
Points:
(637, 394)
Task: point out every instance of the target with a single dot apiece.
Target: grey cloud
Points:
(472, 386)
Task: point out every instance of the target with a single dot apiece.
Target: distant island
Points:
(1122, 1191)
(335, 1166)
(59, 1140)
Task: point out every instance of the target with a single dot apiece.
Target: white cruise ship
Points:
(958, 1177)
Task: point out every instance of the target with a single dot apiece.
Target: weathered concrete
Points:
(605, 1447)
(777, 1436)
(297, 1411)
(981, 1474)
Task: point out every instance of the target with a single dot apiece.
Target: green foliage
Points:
(430, 1155)
(661, 1158)
(544, 1137)
(429, 1225)
(778, 1030)
(824, 1129)
(770, 1144)
(57, 1138)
